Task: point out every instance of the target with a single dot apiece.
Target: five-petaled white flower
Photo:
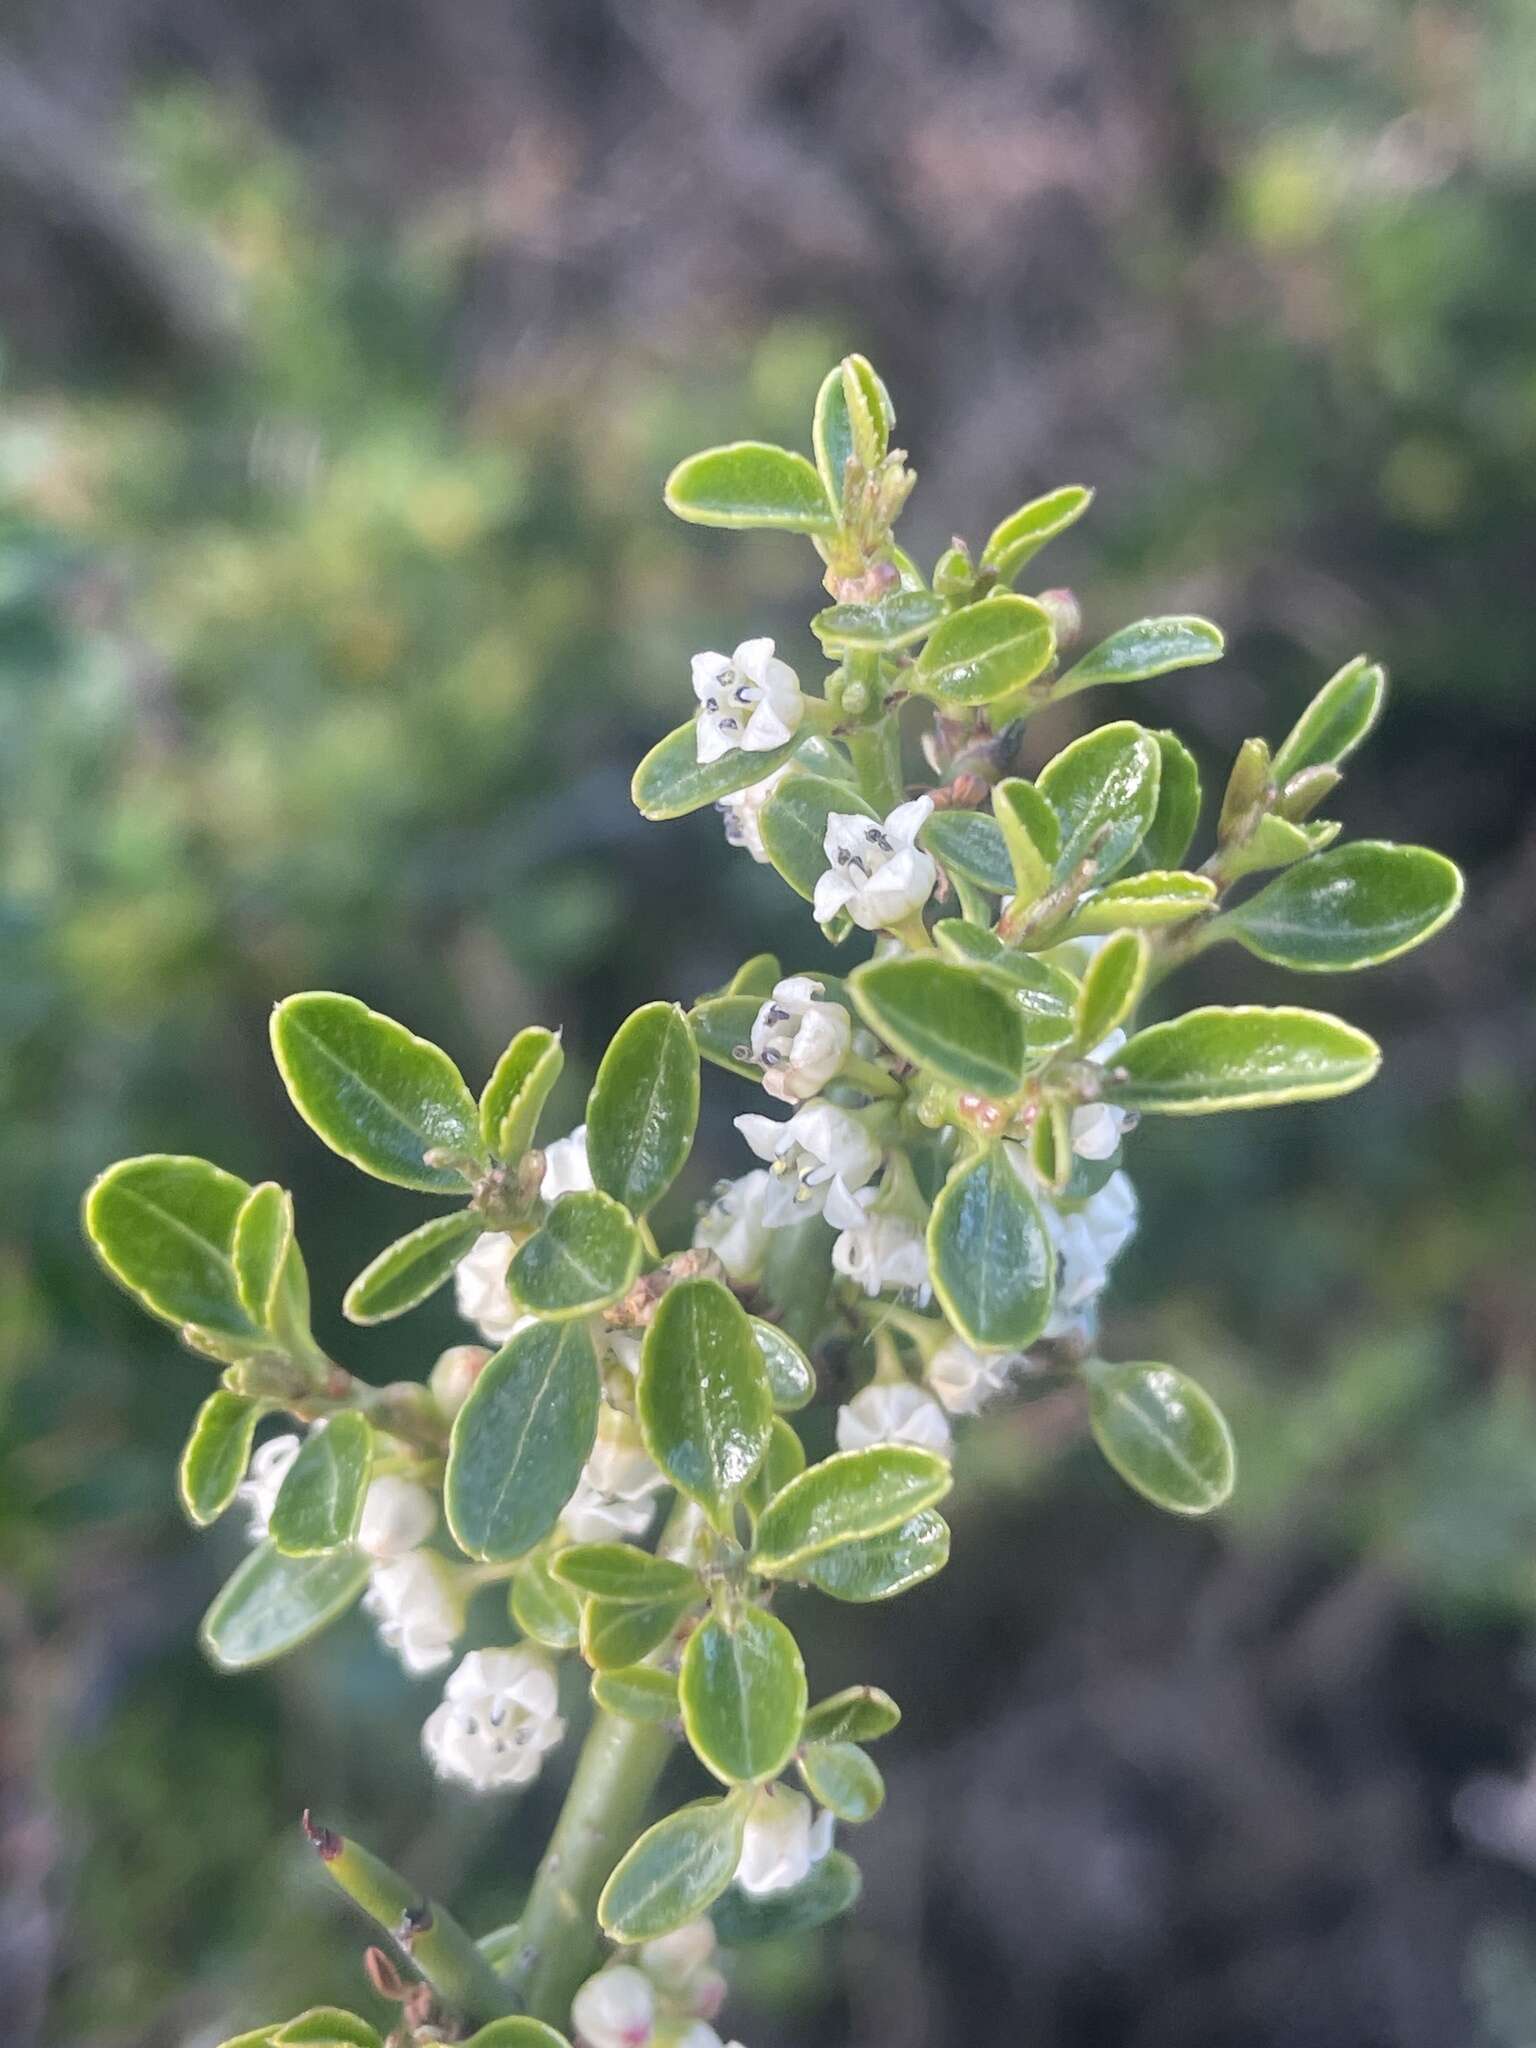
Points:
(965, 1380)
(894, 1412)
(879, 1249)
(742, 813)
(398, 1516)
(615, 2009)
(258, 1490)
(799, 1041)
(875, 871)
(749, 699)
(735, 1226)
(498, 1716)
(419, 1607)
(783, 1839)
(1097, 1126)
(1087, 1241)
(820, 1150)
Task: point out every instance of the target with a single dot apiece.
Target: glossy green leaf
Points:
(793, 824)
(849, 1496)
(1151, 647)
(520, 1441)
(969, 844)
(517, 2031)
(985, 651)
(959, 1024)
(990, 1257)
(853, 420)
(783, 1461)
(791, 1376)
(1273, 842)
(704, 1398)
(672, 780)
(260, 1249)
(1340, 716)
(164, 1227)
(895, 621)
(518, 1089)
(722, 1029)
(320, 1502)
(1352, 907)
(1103, 788)
(829, 1890)
(1111, 988)
(327, 2026)
(411, 1268)
(637, 1692)
(676, 1871)
(860, 1713)
(750, 483)
(617, 1633)
(1163, 1435)
(644, 1107)
(1042, 993)
(622, 1573)
(840, 1777)
(743, 1695)
(1243, 1058)
(273, 1603)
(215, 1455)
(1031, 835)
(374, 1092)
(1024, 533)
(757, 977)
(1154, 897)
(880, 1567)
(544, 1610)
(1178, 804)
(586, 1255)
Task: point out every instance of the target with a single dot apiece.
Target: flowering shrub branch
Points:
(938, 1192)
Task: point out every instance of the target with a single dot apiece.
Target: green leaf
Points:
(644, 1107)
(1340, 716)
(411, 1268)
(1178, 804)
(517, 2031)
(721, 1025)
(860, 1713)
(793, 824)
(840, 1777)
(1163, 1435)
(880, 1567)
(619, 1572)
(638, 1692)
(518, 1089)
(215, 1455)
(374, 1092)
(1154, 897)
(1031, 834)
(969, 844)
(742, 1692)
(1274, 842)
(1044, 994)
(273, 1603)
(542, 1608)
(959, 1024)
(320, 1502)
(757, 977)
(1243, 1058)
(327, 2026)
(829, 1890)
(1103, 788)
(895, 621)
(785, 1460)
(672, 780)
(992, 1263)
(1024, 533)
(1152, 647)
(1352, 907)
(791, 1376)
(615, 1634)
(520, 1441)
(1111, 988)
(586, 1255)
(853, 421)
(750, 483)
(676, 1870)
(704, 1398)
(985, 651)
(851, 1495)
(261, 1248)
(164, 1227)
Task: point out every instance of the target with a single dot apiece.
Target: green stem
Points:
(874, 1080)
(875, 748)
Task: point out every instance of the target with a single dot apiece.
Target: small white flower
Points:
(735, 1226)
(1087, 1241)
(742, 812)
(965, 1380)
(681, 1965)
(881, 1251)
(876, 872)
(749, 699)
(894, 1412)
(615, 2009)
(498, 1716)
(593, 1517)
(820, 1147)
(567, 1170)
(799, 1042)
(480, 1288)
(264, 1476)
(398, 1515)
(419, 1607)
(1097, 1126)
(783, 1839)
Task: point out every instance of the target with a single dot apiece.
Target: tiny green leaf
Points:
(853, 421)
(520, 1441)
(832, 1887)
(742, 1691)
(705, 1402)
(893, 622)
(1243, 1058)
(164, 1227)
(1163, 1435)
(374, 1092)
(1178, 804)
(755, 977)
(621, 1573)
(1352, 907)
(793, 824)
(518, 1089)
(791, 1376)
(1339, 717)
(840, 1777)
(672, 780)
(1111, 988)
(1273, 842)
(1024, 533)
(637, 1692)
(676, 1870)
(586, 1255)
(849, 1496)
(945, 1017)
(1031, 833)
(992, 1263)
(616, 1633)
(320, 1502)
(215, 1455)
(1154, 897)
(750, 483)
(542, 1608)
(785, 1460)
(411, 1268)
(273, 1603)
(1152, 647)
(644, 1107)
(880, 1567)
(969, 844)
(860, 1713)
(1103, 788)
(985, 651)
(262, 1245)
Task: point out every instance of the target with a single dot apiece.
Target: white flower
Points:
(965, 1380)
(615, 2009)
(567, 1170)
(1096, 1126)
(799, 1042)
(624, 1348)
(783, 1839)
(398, 1516)
(1087, 1241)
(742, 812)
(894, 1412)
(682, 1965)
(419, 1607)
(497, 1718)
(880, 1251)
(264, 1476)
(749, 700)
(735, 1226)
(480, 1288)
(820, 1147)
(876, 872)
(615, 1496)
(593, 1517)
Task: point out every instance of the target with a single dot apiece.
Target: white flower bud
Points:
(800, 1043)
(480, 1288)
(398, 1515)
(619, 1463)
(965, 1380)
(567, 1170)
(735, 1227)
(819, 1149)
(264, 1476)
(743, 814)
(1097, 1126)
(748, 700)
(498, 1717)
(418, 1603)
(455, 1373)
(783, 1839)
(876, 872)
(681, 1964)
(590, 1516)
(615, 2009)
(894, 1412)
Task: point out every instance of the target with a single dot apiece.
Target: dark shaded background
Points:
(345, 348)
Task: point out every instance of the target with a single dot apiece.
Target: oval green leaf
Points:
(853, 421)
(1243, 1058)
(895, 621)
(164, 1227)
(676, 1871)
(1178, 804)
(1154, 897)
(616, 1634)
(743, 1695)
(793, 824)
(985, 651)
(273, 1603)
(1031, 835)
(1103, 788)
(704, 1398)
(518, 2031)
(750, 483)
(215, 1455)
(1022, 535)
(327, 2026)
(860, 1713)
(520, 1441)
(991, 1259)
(637, 1692)
(411, 1268)
(791, 1376)
(586, 1255)
(1164, 1436)
(1111, 988)
(1351, 907)
(831, 1888)
(880, 1567)
(721, 1025)
(840, 1777)
(969, 844)
(672, 780)
(518, 1089)
(1339, 717)
(959, 1024)
(847, 1497)
(320, 1502)
(543, 1609)
(644, 1107)
(262, 1245)
(1151, 647)
(622, 1573)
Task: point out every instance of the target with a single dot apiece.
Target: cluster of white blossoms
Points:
(664, 1998)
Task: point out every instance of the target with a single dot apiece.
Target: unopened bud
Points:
(454, 1374)
(383, 1976)
(1064, 613)
(954, 572)
(1306, 790)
